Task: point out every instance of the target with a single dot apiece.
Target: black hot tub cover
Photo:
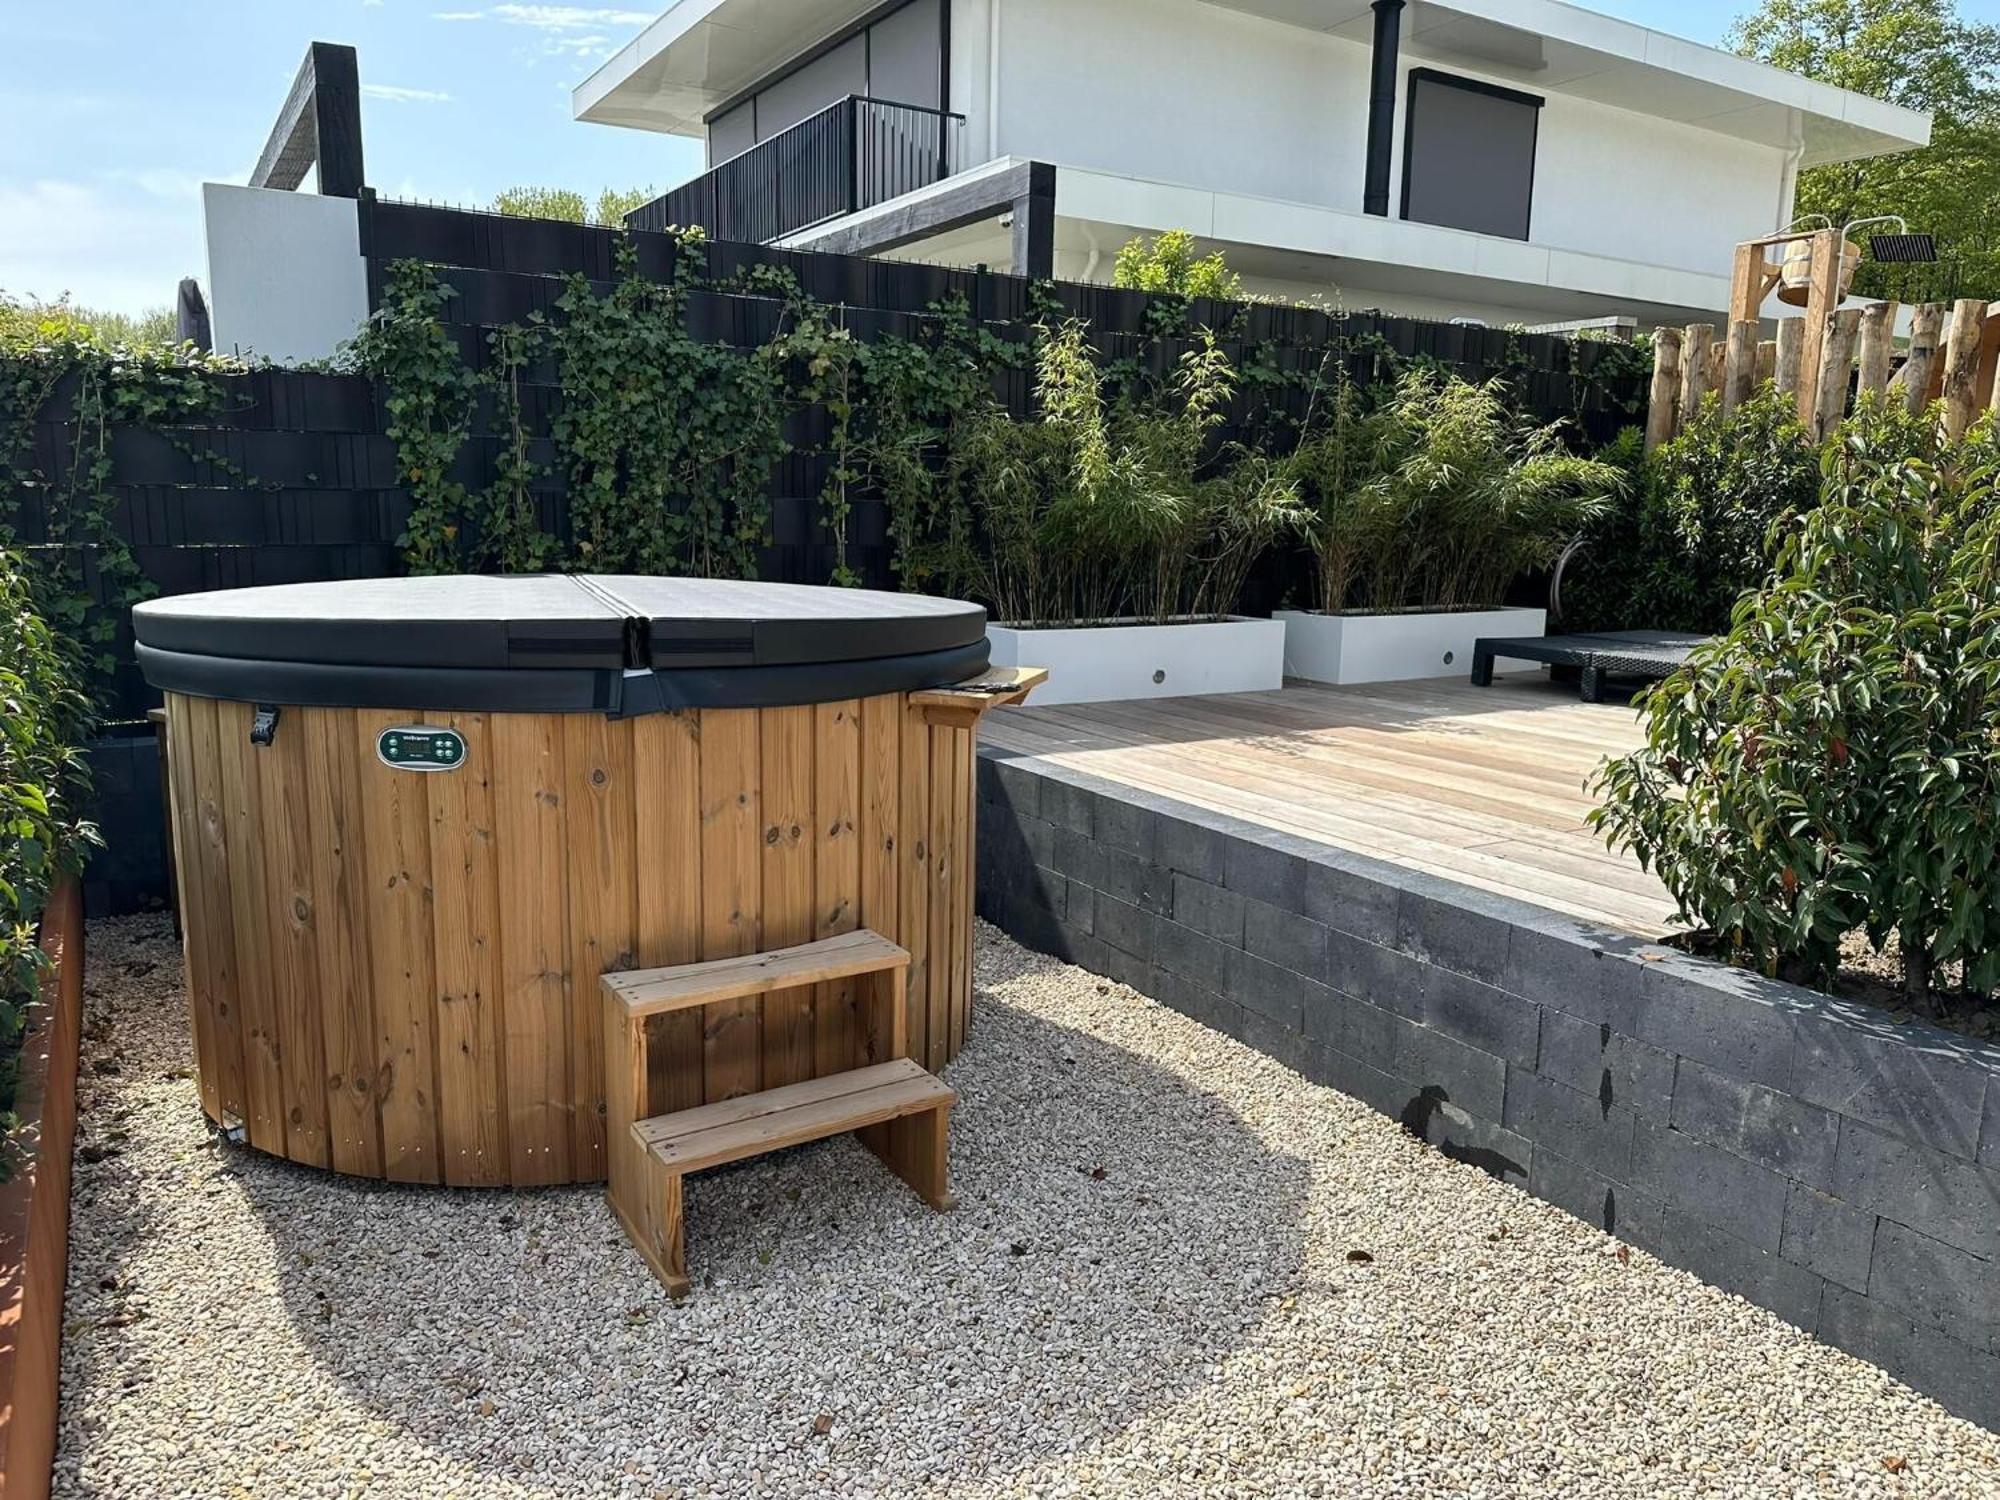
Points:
(556, 643)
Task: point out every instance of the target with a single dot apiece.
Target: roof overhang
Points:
(1545, 44)
(701, 53)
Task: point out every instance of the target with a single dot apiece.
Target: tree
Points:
(1168, 264)
(1920, 54)
(568, 205)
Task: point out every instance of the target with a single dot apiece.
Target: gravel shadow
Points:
(1120, 1232)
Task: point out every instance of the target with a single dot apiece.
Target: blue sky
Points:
(113, 112)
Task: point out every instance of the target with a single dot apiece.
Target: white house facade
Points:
(1520, 161)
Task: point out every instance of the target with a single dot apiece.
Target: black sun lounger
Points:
(1649, 654)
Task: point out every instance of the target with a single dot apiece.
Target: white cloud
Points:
(554, 19)
(104, 243)
(399, 95)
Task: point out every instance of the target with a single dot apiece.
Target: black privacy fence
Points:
(293, 479)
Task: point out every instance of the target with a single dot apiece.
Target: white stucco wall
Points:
(1185, 92)
(286, 281)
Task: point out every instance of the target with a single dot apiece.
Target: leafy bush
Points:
(43, 718)
(569, 205)
(1101, 508)
(1701, 525)
(1441, 498)
(1169, 264)
(1832, 763)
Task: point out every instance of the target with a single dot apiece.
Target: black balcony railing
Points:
(850, 156)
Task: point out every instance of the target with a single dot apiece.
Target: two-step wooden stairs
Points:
(901, 1111)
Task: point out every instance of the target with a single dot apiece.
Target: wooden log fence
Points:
(1951, 358)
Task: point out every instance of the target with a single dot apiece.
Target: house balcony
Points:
(850, 157)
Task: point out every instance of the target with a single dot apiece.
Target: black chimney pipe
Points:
(1382, 105)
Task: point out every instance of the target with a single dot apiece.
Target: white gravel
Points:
(1177, 1268)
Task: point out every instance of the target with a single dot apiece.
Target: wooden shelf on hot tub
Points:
(901, 1111)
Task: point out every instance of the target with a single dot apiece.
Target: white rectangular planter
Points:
(1395, 648)
(1105, 663)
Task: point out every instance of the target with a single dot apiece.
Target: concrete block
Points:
(1124, 926)
(1193, 955)
(1067, 805)
(1195, 1001)
(1077, 856)
(1965, 1380)
(1452, 931)
(1208, 908)
(1464, 1137)
(1827, 1236)
(1902, 1079)
(1925, 1189)
(1125, 826)
(1937, 1284)
(1754, 1274)
(1595, 982)
(1080, 906)
(1285, 937)
(1351, 902)
(1685, 1009)
(1762, 1125)
(1702, 1181)
(1133, 879)
(1265, 872)
(1378, 1090)
(1492, 1019)
(1011, 786)
(1592, 1058)
(1614, 1207)
(1449, 1070)
(1380, 975)
(1364, 1031)
(1272, 990)
(1190, 849)
(1572, 1124)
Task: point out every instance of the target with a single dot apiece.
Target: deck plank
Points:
(1487, 786)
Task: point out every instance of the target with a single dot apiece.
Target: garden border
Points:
(1800, 1150)
(34, 1210)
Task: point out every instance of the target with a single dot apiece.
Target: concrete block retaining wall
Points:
(1796, 1149)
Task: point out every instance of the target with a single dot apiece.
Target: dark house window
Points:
(899, 55)
(1469, 154)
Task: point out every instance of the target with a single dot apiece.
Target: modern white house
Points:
(1517, 161)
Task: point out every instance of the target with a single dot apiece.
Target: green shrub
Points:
(1441, 498)
(43, 719)
(1099, 507)
(1169, 264)
(1701, 523)
(1832, 763)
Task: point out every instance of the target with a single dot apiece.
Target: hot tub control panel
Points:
(419, 747)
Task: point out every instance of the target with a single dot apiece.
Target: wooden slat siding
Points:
(280, 769)
(913, 930)
(731, 893)
(395, 831)
(535, 1017)
(465, 917)
(786, 878)
(263, 1083)
(958, 999)
(218, 902)
(204, 989)
(602, 882)
(347, 1016)
(1347, 766)
(666, 802)
(838, 1043)
(881, 817)
(944, 862)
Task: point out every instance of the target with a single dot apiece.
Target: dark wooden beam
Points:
(1035, 225)
(1029, 186)
(320, 125)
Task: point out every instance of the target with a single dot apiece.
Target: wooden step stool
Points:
(901, 1111)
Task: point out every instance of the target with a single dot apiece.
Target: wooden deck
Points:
(1481, 785)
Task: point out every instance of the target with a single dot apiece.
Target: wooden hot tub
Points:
(415, 819)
